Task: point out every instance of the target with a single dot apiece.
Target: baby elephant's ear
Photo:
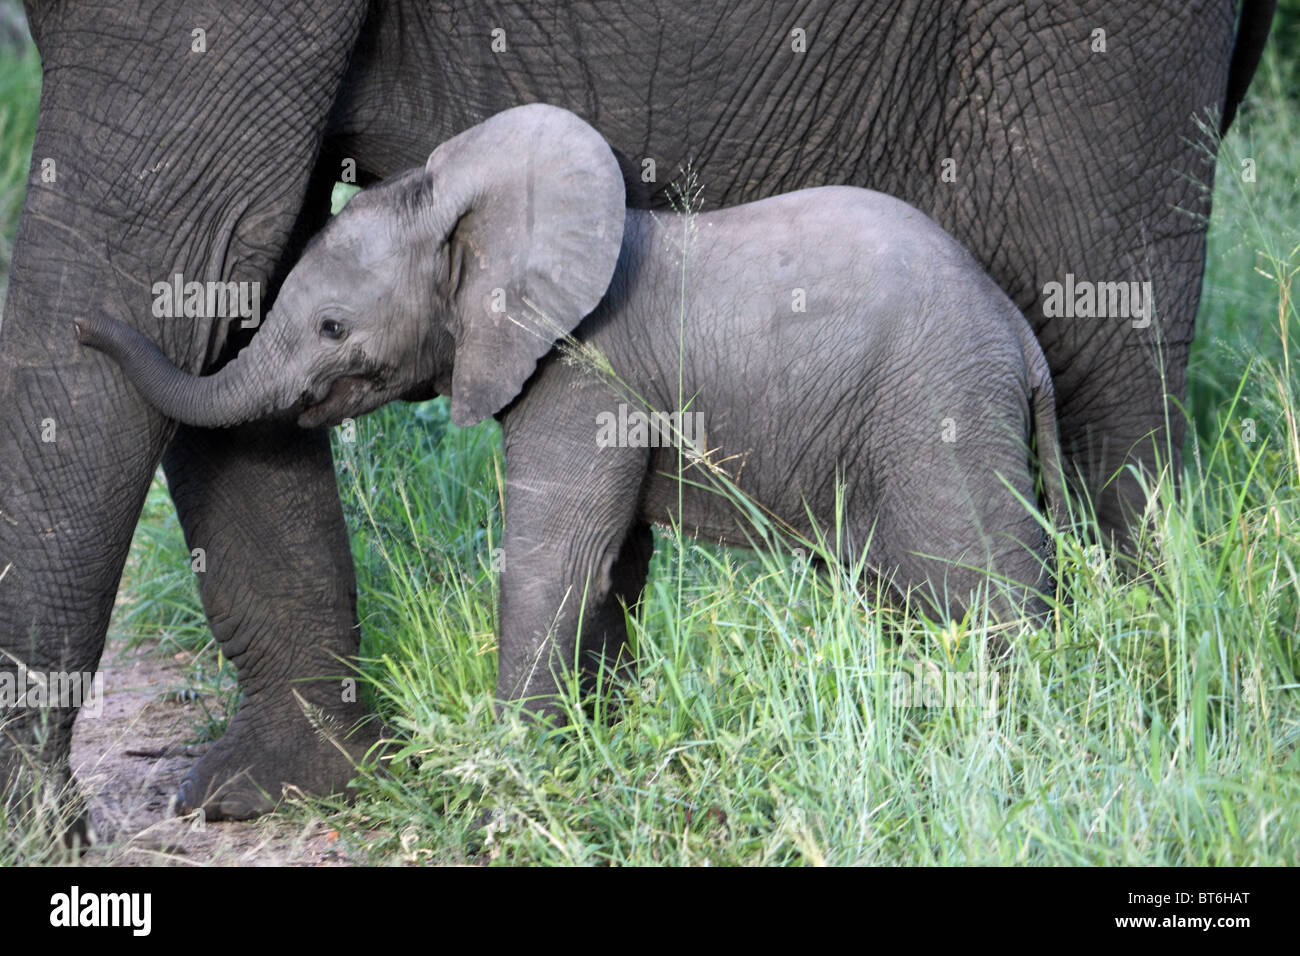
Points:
(529, 206)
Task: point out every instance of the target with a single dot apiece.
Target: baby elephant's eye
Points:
(331, 329)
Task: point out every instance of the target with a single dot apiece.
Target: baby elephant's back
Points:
(849, 278)
(862, 252)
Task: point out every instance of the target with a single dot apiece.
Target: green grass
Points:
(20, 90)
(1155, 721)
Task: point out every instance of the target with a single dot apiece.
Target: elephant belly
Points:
(716, 499)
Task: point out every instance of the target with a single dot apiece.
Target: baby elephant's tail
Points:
(1042, 425)
(1042, 412)
(1042, 407)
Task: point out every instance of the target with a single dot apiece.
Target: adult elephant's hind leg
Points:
(279, 591)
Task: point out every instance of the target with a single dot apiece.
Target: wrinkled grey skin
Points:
(905, 373)
(218, 165)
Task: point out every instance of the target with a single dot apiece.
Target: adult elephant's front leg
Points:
(279, 591)
(70, 494)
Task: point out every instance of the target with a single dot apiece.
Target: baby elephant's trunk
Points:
(244, 390)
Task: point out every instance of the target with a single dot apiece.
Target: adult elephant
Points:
(1053, 139)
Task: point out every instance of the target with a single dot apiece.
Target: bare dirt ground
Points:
(130, 761)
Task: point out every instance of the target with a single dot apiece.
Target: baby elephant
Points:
(832, 338)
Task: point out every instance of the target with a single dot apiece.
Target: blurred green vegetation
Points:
(1284, 40)
(20, 90)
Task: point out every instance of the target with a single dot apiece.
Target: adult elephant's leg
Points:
(157, 156)
(1123, 431)
(70, 494)
(1088, 156)
(279, 590)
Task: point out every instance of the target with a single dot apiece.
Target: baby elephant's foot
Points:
(262, 757)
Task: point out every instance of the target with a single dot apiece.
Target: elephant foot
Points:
(260, 760)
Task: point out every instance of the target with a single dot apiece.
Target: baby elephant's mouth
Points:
(348, 397)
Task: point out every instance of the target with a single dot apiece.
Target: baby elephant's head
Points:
(454, 278)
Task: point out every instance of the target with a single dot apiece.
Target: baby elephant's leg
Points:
(573, 546)
(603, 651)
(963, 535)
